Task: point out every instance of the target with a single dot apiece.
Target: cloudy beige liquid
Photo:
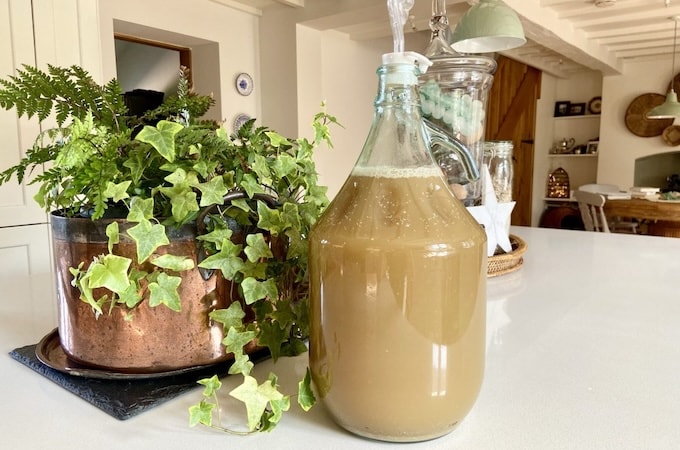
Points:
(398, 279)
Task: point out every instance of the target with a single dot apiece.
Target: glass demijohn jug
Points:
(397, 282)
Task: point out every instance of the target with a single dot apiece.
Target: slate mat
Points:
(123, 399)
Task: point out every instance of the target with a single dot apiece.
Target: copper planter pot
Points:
(156, 339)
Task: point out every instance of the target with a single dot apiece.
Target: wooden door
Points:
(511, 116)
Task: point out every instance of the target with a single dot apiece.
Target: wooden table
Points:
(643, 209)
(664, 217)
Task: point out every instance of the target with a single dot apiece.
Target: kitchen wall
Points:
(618, 146)
(296, 66)
(224, 42)
(323, 66)
(341, 71)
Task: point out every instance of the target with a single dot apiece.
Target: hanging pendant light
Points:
(489, 26)
(440, 38)
(670, 108)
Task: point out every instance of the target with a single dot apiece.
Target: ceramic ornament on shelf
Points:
(494, 216)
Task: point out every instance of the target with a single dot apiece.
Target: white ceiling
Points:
(564, 36)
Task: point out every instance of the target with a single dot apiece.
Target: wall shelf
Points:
(559, 200)
(582, 167)
(572, 155)
(585, 116)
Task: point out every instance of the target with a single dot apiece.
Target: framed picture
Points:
(562, 109)
(577, 109)
(591, 148)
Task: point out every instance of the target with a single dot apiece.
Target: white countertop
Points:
(583, 352)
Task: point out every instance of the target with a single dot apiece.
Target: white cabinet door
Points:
(16, 48)
(27, 292)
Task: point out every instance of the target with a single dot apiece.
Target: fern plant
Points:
(103, 162)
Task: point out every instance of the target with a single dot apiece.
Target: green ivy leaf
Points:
(202, 168)
(148, 238)
(290, 216)
(257, 247)
(216, 236)
(284, 314)
(227, 260)
(177, 177)
(256, 398)
(212, 385)
(294, 347)
(276, 139)
(235, 340)
(164, 291)
(110, 272)
(278, 407)
(283, 165)
(80, 281)
(260, 167)
(269, 219)
(256, 270)
(251, 185)
(117, 192)
(130, 297)
(306, 397)
(212, 192)
(133, 294)
(137, 162)
(201, 413)
(241, 204)
(321, 128)
(140, 209)
(254, 290)
(242, 364)
(231, 317)
(113, 234)
(183, 201)
(272, 336)
(173, 262)
(162, 137)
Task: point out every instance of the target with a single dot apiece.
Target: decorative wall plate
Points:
(595, 105)
(244, 84)
(239, 120)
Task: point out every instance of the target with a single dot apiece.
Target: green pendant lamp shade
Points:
(670, 108)
(489, 26)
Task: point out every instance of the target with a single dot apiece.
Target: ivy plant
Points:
(168, 168)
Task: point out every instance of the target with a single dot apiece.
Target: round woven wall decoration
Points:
(636, 116)
(676, 83)
(671, 135)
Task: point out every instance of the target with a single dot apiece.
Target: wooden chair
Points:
(591, 206)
